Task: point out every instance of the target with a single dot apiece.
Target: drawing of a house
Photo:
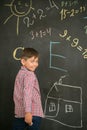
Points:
(64, 104)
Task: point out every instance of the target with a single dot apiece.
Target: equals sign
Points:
(79, 48)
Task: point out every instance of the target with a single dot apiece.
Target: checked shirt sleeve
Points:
(28, 91)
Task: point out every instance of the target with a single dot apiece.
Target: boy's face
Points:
(30, 63)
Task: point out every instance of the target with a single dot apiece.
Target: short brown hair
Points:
(29, 52)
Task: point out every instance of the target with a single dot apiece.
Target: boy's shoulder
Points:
(25, 71)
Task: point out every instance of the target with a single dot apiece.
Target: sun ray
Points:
(17, 29)
(8, 19)
(8, 5)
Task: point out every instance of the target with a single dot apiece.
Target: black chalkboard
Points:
(58, 30)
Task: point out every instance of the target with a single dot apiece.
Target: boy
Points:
(26, 96)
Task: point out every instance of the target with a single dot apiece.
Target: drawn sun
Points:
(19, 8)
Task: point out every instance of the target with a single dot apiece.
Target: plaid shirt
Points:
(26, 94)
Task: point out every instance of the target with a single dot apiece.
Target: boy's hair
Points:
(28, 53)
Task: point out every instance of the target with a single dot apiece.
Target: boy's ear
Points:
(22, 61)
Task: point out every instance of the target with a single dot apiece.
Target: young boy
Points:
(27, 98)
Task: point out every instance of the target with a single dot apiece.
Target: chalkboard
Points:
(58, 30)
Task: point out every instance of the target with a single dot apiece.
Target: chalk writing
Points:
(69, 3)
(40, 34)
(74, 43)
(85, 29)
(85, 53)
(62, 108)
(64, 13)
(16, 51)
(29, 21)
(53, 4)
(21, 9)
(85, 26)
(41, 13)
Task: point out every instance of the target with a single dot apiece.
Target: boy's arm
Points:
(28, 89)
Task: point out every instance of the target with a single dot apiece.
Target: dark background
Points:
(41, 28)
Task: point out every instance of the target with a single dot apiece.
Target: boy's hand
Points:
(28, 118)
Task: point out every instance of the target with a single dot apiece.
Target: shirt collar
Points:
(24, 68)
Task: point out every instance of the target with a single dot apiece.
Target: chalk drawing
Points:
(64, 104)
(19, 9)
(56, 56)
